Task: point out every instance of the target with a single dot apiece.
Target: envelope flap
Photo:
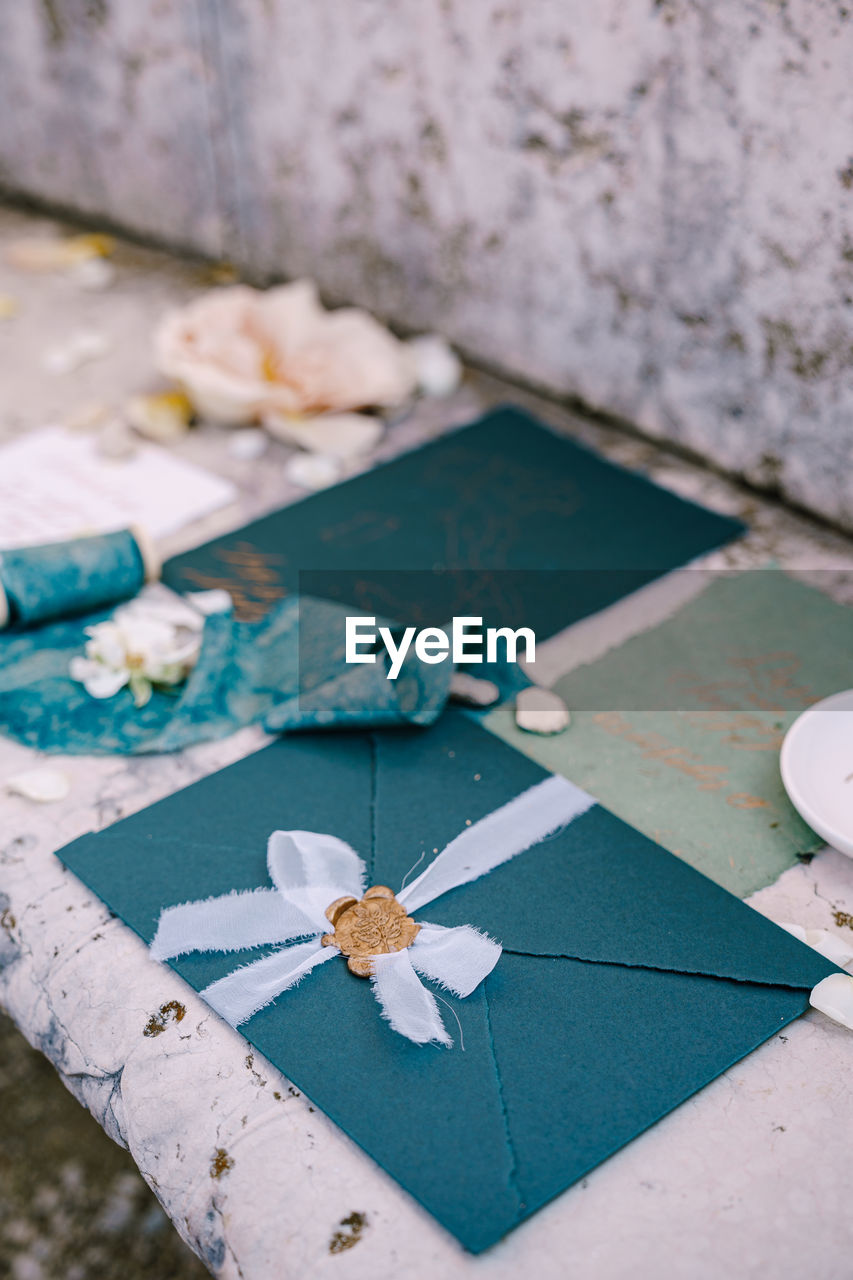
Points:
(598, 890)
(602, 892)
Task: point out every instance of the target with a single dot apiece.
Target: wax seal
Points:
(375, 926)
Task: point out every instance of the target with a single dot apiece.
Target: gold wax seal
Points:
(373, 927)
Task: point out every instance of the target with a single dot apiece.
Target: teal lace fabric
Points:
(286, 672)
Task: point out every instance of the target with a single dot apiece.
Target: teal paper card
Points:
(627, 981)
(504, 496)
(678, 730)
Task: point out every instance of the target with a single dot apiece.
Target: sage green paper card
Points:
(678, 730)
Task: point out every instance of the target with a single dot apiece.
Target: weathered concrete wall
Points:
(643, 202)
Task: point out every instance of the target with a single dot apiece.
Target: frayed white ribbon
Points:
(310, 871)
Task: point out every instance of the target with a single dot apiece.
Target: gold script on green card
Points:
(678, 730)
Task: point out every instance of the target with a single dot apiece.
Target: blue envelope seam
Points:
(512, 1178)
(655, 968)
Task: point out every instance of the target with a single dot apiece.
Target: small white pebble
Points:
(541, 711)
(248, 443)
(42, 784)
(313, 470)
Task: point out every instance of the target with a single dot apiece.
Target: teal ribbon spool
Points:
(62, 579)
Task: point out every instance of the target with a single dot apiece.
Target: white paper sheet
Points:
(54, 485)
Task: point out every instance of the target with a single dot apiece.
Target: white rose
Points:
(242, 354)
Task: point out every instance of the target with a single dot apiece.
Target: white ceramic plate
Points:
(817, 768)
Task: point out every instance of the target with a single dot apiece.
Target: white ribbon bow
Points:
(310, 871)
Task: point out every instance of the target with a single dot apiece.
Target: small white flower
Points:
(137, 649)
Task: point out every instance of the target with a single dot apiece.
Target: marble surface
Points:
(643, 204)
(747, 1179)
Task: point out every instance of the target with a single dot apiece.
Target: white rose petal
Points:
(216, 600)
(437, 366)
(42, 784)
(98, 680)
(59, 360)
(79, 349)
(249, 444)
(94, 274)
(163, 416)
(88, 417)
(39, 253)
(313, 470)
(52, 253)
(836, 949)
(834, 997)
(340, 435)
(175, 664)
(106, 644)
(159, 603)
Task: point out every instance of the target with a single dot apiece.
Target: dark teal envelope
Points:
(628, 980)
(541, 531)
